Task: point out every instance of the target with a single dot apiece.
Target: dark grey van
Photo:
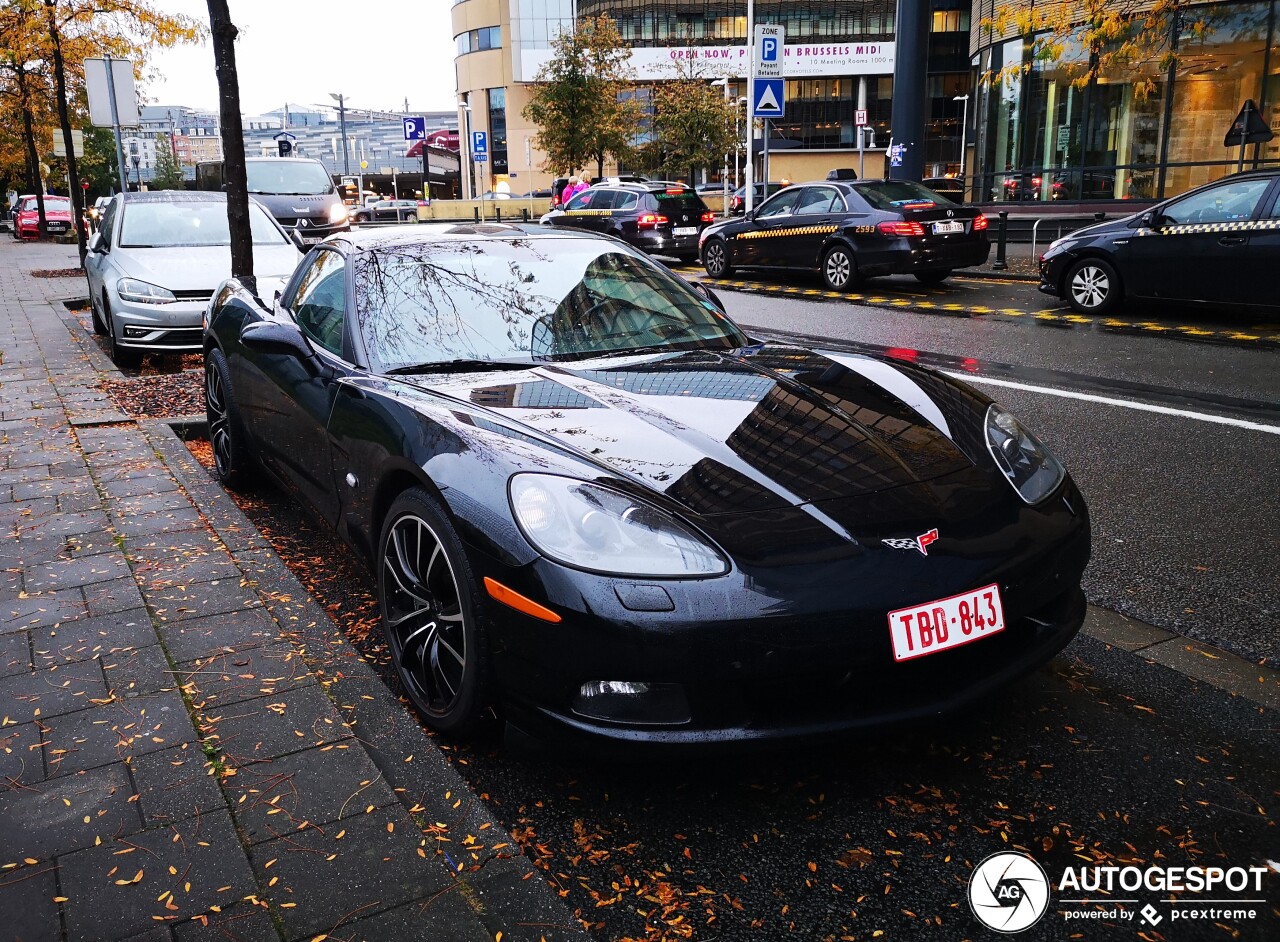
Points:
(297, 191)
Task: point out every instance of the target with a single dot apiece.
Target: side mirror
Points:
(275, 337)
(95, 242)
(749, 216)
(707, 293)
(296, 238)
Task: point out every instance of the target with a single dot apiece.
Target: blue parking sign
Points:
(479, 142)
(415, 129)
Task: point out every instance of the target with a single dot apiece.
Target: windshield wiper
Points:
(462, 366)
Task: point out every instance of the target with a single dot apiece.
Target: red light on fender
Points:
(980, 222)
(708, 217)
(901, 228)
(513, 599)
(650, 221)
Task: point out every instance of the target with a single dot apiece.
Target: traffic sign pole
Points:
(751, 103)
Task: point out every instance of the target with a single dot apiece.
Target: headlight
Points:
(130, 289)
(338, 214)
(594, 528)
(1030, 467)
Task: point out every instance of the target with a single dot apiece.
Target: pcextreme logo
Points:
(1009, 892)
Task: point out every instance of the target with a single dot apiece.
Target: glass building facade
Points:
(1037, 136)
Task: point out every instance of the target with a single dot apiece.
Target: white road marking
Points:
(1123, 403)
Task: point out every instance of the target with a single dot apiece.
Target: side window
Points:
(1230, 202)
(1275, 208)
(783, 204)
(587, 199)
(108, 224)
(816, 200)
(627, 201)
(319, 304)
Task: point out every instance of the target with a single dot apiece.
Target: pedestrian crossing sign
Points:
(770, 99)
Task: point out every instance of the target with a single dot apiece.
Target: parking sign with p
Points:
(770, 50)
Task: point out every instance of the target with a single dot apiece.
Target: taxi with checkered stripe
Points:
(851, 230)
(656, 216)
(1212, 244)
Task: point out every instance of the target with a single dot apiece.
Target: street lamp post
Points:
(471, 162)
(964, 127)
(342, 122)
(751, 95)
(724, 180)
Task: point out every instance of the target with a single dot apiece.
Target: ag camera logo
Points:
(1008, 892)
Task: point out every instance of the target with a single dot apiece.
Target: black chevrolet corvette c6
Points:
(592, 501)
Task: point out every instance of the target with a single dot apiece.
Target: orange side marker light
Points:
(513, 599)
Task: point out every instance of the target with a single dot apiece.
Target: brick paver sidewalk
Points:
(188, 747)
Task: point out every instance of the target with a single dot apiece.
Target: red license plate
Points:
(947, 623)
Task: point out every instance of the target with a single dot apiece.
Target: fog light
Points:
(639, 704)
(136, 331)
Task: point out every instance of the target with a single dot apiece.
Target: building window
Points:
(478, 40)
(498, 130)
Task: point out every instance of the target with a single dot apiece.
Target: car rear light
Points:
(651, 221)
(708, 217)
(980, 222)
(901, 228)
(675, 190)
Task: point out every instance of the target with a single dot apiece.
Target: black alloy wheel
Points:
(933, 277)
(715, 258)
(231, 461)
(839, 270)
(123, 357)
(431, 615)
(1092, 286)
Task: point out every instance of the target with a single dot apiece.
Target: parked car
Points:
(387, 211)
(1084, 186)
(952, 188)
(155, 261)
(557, 190)
(659, 217)
(57, 217)
(849, 231)
(842, 173)
(1213, 244)
(598, 505)
(738, 202)
(297, 191)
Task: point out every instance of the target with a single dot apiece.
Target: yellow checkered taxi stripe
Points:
(589, 212)
(778, 233)
(1241, 226)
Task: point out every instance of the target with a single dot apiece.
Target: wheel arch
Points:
(1084, 255)
(393, 482)
(836, 238)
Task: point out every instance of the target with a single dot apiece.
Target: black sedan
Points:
(591, 500)
(1217, 244)
(658, 217)
(851, 230)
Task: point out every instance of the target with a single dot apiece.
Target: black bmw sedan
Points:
(590, 500)
(1217, 243)
(849, 230)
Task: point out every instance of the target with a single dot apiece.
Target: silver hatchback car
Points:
(156, 260)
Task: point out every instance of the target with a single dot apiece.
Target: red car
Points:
(57, 215)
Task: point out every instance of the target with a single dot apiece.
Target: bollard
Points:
(497, 213)
(1099, 217)
(1001, 239)
(524, 215)
(476, 210)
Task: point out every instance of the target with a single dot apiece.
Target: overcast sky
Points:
(298, 51)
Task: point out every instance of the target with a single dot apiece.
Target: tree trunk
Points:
(223, 32)
(33, 158)
(64, 119)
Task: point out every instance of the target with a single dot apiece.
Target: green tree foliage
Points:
(693, 126)
(581, 103)
(168, 172)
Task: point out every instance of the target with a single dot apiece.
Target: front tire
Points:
(432, 615)
(839, 269)
(715, 259)
(123, 357)
(1092, 286)
(99, 326)
(232, 462)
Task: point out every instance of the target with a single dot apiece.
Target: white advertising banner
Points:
(800, 60)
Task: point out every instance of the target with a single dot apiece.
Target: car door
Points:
(817, 213)
(95, 263)
(294, 398)
(589, 210)
(760, 241)
(1263, 253)
(1200, 245)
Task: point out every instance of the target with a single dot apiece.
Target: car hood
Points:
(767, 427)
(201, 268)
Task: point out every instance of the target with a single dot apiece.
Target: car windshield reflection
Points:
(498, 300)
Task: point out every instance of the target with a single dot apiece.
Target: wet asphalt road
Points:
(1184, 510)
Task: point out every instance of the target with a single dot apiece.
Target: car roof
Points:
(175, 196)
(645, 186)
(365, 240)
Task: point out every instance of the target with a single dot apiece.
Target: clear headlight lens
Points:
(131, 289)
(594, 528)
(338, 214)
(1030, 467)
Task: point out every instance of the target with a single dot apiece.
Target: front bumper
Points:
(761, 665)
(164, 328)
(1051, 271)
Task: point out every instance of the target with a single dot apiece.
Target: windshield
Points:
(539, 299)
(162, 224)
(287, 178)
(900, 194)
(51, 205)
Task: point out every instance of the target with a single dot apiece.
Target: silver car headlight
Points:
(594, 528)
(131, 289)
(1030, 467)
